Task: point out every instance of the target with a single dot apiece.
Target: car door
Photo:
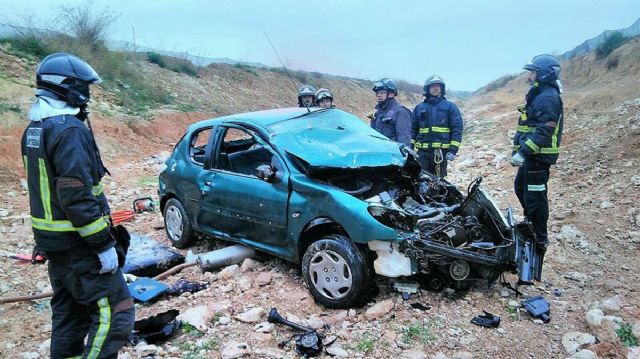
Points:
(234, 201)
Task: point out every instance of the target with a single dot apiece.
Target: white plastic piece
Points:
(390, 262)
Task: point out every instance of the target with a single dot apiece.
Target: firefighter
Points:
(391, 118)
(536, 144)
(324, 98)
(436, 128)
(70, 215)
(306, 96)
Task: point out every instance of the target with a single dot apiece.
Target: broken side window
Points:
(198, 145)
(241, 152)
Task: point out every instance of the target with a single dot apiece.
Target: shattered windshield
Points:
(326, 120)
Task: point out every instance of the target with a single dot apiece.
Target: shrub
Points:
(156, 58)
(611, 42)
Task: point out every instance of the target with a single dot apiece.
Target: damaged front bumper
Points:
(458, 241)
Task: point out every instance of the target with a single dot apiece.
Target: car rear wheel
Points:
(337, 272)
(177, 224)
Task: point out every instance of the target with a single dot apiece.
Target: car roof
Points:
(264, 118)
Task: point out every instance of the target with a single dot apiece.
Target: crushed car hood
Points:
(323, 148)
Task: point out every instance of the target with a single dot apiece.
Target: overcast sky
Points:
(469, 43)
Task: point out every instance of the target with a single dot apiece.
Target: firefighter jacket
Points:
(393, 120)
(436, 123)
(63, 169)
(540, 123)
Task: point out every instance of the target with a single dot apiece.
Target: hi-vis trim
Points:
(536, 188)
(66, 226)
(97, 189)
(440, 129)
(45, 195)
(103, 328)
(455, 143)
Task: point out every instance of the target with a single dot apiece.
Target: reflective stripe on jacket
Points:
(63, 170)
(437, 123)
(540, 123)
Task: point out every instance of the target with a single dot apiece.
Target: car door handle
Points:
(208, 183)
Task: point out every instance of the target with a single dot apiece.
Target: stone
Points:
(514, 304)
(252, 315)
(337, 351)
(636, 329)
(229, 272)
(613, 305)
(606, 205)
(413, 354)
(315, 323)
(199, 317)
(379, 309)
(227, 287)
(235, 350)
(146, 350)
(505, 293)
(439, 355)
(633, 353)
(224, 320)
(30, 355)
(43, 348)
(250, 265)
(245, 283)
(352, 313)
(462, 355)
(573, 341)
(263, 279)
(606, 331)
(584, 354)
(264, 327)
(594, 318)
(577, 276)
(538, 321)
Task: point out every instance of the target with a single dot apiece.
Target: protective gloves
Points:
(517, 160)
(450, 156)
(108, 261)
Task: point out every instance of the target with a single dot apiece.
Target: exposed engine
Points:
(455, 239)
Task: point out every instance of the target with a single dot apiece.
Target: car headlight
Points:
(393, 218)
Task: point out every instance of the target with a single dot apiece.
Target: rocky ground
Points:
(590, 276)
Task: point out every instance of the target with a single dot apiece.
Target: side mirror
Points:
(265, 173)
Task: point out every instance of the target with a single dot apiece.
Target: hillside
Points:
(592, 44)
(219, 89)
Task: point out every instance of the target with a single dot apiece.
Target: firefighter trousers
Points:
(88, 305)
(427, 160)
(531, 188)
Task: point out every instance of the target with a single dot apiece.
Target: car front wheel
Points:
(177, 224)
(337, 272)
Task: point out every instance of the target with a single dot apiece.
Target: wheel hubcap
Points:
(330, 274)
(173, 221)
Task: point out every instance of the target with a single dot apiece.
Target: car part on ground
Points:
(487, 320)
(156, 328)
(538, 307)
(144, 204)
(308, 342)
(224, 257)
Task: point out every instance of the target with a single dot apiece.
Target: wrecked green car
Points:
(322, 189)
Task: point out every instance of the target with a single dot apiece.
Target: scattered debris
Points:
(146, 289)
(538, 307)
(155, 329)
(308, 342)
(487, 320)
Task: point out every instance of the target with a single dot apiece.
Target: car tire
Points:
(177, 224)
(337, 273)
